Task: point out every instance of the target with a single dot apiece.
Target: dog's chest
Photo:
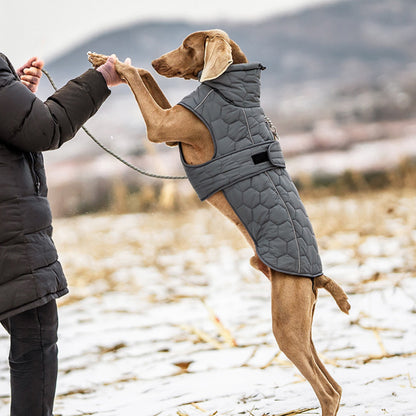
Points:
(200, 152)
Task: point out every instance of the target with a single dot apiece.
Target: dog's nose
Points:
(160, 66)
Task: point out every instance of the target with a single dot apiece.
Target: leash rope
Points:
(115, 155)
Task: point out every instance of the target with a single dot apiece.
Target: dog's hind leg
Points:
(293, 301)
(318, 361)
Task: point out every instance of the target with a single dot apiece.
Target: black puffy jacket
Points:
(30, 274)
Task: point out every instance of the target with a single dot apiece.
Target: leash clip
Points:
(272, 128)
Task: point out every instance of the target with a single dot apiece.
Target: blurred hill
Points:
(340, 85)
(349, 41)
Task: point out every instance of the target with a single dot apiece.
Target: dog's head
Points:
(211, 52)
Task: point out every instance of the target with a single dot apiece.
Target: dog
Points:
(216, 60)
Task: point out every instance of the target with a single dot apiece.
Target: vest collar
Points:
(239, 84)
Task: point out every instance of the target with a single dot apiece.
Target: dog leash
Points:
(115, 155)
(128, 164)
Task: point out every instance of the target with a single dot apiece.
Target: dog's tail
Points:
(335, 290)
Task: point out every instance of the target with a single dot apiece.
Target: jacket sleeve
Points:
(34, 126)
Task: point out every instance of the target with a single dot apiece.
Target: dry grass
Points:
(365, 213)
(93, 249)
(344, 222)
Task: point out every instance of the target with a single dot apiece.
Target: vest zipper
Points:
(35, 176)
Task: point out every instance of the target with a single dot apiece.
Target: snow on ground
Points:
(139, 335)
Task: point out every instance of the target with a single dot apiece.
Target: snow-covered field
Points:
(166, 317)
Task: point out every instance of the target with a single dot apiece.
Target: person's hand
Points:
(108, 70)
(30, 73)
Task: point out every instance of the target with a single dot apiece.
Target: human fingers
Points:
(38, 63)
(109, 71)
(33, 71)
(29, 62)
(30, 79)
(25, 65)
(32, 62)
(32, 87)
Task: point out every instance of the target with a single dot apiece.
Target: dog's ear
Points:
(217, 58)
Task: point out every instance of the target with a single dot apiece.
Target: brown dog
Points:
(293, 297)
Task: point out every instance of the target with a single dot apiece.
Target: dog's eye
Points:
(190, 51)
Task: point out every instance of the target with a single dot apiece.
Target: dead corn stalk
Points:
(222, 330)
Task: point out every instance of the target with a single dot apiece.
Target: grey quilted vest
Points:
(248, 166)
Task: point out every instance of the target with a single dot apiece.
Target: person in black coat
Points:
(31, 277)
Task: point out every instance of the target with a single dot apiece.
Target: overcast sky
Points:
(46, 27)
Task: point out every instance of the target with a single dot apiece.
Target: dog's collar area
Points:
(239, 85)
(238, 67)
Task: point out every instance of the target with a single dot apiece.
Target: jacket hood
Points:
(239, 84)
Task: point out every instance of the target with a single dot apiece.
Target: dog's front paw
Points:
(97, 59)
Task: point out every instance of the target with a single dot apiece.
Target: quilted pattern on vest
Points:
(263, 196)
